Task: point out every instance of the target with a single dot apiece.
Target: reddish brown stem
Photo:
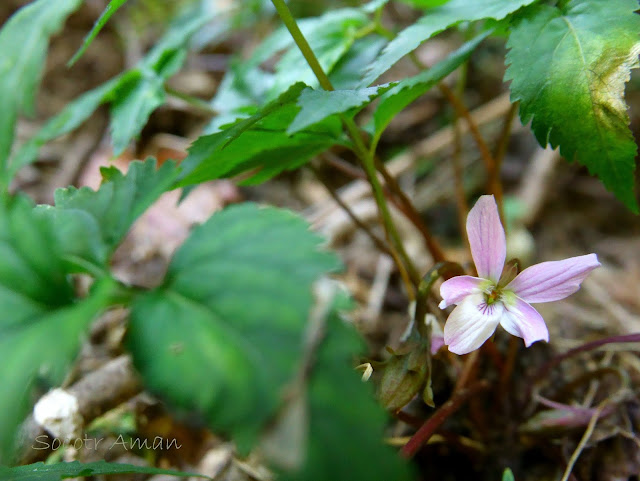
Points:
(493, 171)
(394, 193)
(409, 210)
(344, 166)
(509, 364)
(378, 242)
(503, 139)
(440, 416)
(468, 370)
(461, 197)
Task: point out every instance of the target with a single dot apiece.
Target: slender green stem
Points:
(90, 268)
(195, 102)
(366, 30)
(409, 210)
(396, 195)
(301, 42)
(368, 163)
(360, 148)
(381, 29)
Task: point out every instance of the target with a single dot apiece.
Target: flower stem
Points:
(493, 171)
(440, 416)
(456, 161)
(369, 167)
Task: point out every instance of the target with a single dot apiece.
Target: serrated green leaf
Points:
(260, 141)
(60, 471)
(437, 20)
(90, 224)
(316, 105)
(134, 100)
(71, 116)
(247, 86)
(241, 88)
(411, 88)
(108, 12)
(36, 306)
(568, 70)
(345, 424)
(23, 42)
(330, 39)
(330, 36)
(223, 334)
(141, 90)
(331, 23)
(347, 73)
(133, 95)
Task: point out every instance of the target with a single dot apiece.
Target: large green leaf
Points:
(23, 43)
(60, 471)
(411, 88)
(435, 21)
(91, 224)
(260, 141)
(342, 424)
(36, 307)
(568, 68)
(223, 334)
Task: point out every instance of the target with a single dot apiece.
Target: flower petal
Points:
(551, 281)
(437, 341)
(471, 324)
(437, 335)
(454, 290)
(524, 321)
(486, 238)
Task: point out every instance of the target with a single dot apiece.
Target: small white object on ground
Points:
(59, 414)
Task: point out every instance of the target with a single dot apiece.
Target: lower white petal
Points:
(471, 324)
(522, 320)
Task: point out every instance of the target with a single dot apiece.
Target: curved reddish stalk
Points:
(440, 416)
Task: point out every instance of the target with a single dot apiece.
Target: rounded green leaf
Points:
(223, 335)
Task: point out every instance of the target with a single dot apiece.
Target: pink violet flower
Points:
(485, 301)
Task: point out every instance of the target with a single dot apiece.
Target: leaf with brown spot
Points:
(568, 69)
